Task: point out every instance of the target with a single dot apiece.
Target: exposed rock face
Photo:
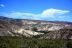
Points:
(29, 28)
(60, 34)
(53, 28)
(11, 29)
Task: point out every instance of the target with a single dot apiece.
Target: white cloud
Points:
(49, 13)
(2, 5)
(53, 12)
(19, 15)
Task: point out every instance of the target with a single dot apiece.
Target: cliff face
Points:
(30, 28)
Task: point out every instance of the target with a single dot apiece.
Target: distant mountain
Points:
(35, 28)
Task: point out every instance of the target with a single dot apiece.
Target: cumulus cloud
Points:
(48, 13)
(2, 5)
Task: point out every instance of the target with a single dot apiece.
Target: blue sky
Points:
(53, 10)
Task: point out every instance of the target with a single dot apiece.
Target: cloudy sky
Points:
(49, 10)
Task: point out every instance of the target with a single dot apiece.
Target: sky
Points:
(49, 10)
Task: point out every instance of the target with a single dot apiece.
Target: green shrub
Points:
(34, 29)
(24, 42)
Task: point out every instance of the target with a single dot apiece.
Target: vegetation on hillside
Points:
(24, 42)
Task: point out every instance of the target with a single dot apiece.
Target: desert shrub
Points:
(69, 44)
(25, 42)
(34, 29)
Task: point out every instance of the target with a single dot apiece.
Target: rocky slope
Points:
(7, 28)
(30, 28)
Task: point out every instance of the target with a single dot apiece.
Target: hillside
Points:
(35, 28)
